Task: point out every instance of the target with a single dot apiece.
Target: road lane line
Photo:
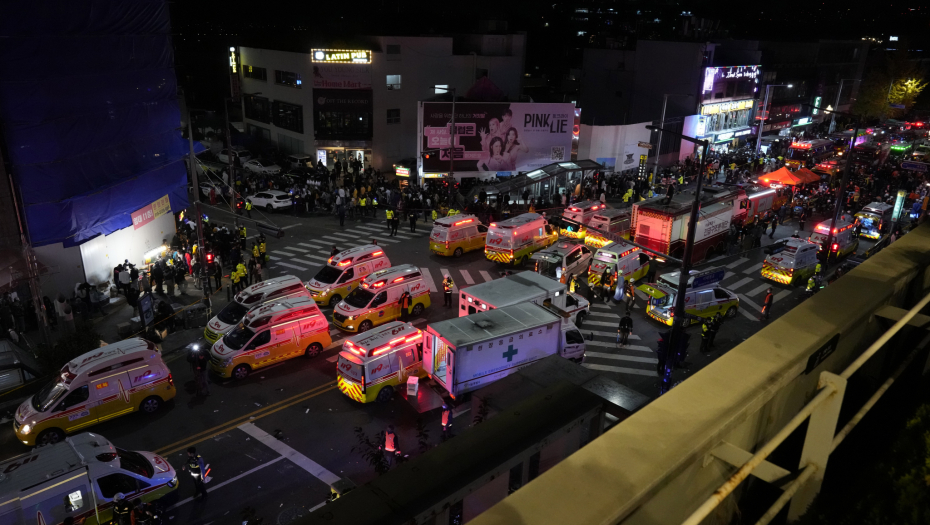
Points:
(615, 346)
(311, 263)
(228, 481)
(429, 279)
(597, 305)
(348, 235)
(742, 282)
(294, 266)
(620, 369)
(467, 277)
(282, 252)
(754, 268)
(738, 262)
(757, 290)
(289, 226)
(781, 295)
(485, 275)
(310, 246)
(611, 335)
(302, 461)
(609, 316)
(233, 423)
(621, 357)
(597, 323)
(337, 239)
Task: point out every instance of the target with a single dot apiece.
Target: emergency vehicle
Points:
(514, 240)
(456, 235)
(344, 272)
(102, 384)
(78, 478)
(793, 264)
(875, 219)
(579, 212)
(377, 300)
(808, 153)
(618, 258)
(270, 334)
(465, 353)
(523, 287)
(371, 366)
(274, 289)
(562, 260)
(703, 297)
(664, 228)
(845, 241)
(616, 222)
(760, 199)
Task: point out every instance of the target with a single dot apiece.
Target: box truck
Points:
(523, 287)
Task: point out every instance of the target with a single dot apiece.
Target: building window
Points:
(342, 124)
(257, 108)
(261, 135)
(393, 116)
(393, 81)
(287, 78)
(255, 73)
(289, 145)
(288, 116)
(393, 49)
(441, 88)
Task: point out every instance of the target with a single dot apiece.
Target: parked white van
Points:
(275, 289)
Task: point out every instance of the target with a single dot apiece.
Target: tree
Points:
(898, 81)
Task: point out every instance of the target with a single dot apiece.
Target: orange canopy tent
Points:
(806, 176)
(781, 176)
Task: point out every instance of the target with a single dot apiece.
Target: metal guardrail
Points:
(821, 439)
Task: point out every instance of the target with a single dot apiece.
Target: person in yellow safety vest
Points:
(628, 195)
(234, 277)
(361, 203)
(681, 179)
(811, 284)
(248, 208)
(435, 215)
(573, 284)
(194, 250)
(391, 444)
(447, 286)
(243, 273)
(532, 208)
(261, 251)
(255, 250)
(242, 232)
(389, 215)
(817, 269)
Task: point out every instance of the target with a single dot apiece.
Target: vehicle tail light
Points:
(836, 247)
(170, 379)
(671, 312)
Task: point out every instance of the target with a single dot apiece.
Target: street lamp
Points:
(679, 318)
(447, 89)
(655, 168)
(837, 103)
(764, 113)
(229, 156)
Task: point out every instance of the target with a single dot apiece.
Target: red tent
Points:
(807, 176)
(781, 176)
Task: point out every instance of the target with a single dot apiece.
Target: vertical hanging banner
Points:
(149, 213)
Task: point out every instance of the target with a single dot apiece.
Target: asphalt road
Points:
(278, 438)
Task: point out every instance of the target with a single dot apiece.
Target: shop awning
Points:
(807, 176)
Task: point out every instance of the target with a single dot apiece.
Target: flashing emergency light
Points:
(800, 145)
(493, 224)
(467, 221)
(399, 279)
(379, 252)
(379, 284)
(345, 263)
(836, 247)
(209, 257)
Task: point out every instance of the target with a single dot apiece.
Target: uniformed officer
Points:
(767, 305)
(234, 277)
(811, 286)
(243, 274)
(248, 208)
(706, 328)
(404, 302)
(362, 203)
(817, 269)
(447, 286)
(255, 253)
(261, 249)
(122, 509)
(573, 284)
(390, 444)
(389, 213)
(196, 466)
(715, 325)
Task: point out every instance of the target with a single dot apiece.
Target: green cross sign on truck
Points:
(509, 354)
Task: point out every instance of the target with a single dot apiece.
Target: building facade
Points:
(336, 104)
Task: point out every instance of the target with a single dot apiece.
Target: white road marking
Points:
(289, 226)
(282, 252)
(302, 461)
(620, 369)
(485, 275)
(742, 282)
(612, 335)
(228, 481)
(748, 315)
(620, 357)
(429, 279)
(349, 236)
(294, 266)
(467, 277)
(754, 268)
(337, 239)
(616, 346)
(744, 299)
(757, 290)
(381, 238)
(781, 295)
(317, 257)
(296, 249)
(595, 305)
(609, 316)
(598, 323)
(738, 262)
(311, 263)
(315, 247)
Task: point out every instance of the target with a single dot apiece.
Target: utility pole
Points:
(452, 156)
(196, 182)
(765, 114)
(836, 105)
(655, 168)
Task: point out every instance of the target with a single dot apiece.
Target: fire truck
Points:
(664, 227)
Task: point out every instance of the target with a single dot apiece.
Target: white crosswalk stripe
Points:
(757, 290)
(604, 306)
(294, 266)
(598, 323)
(621, 357)
(609, 316)
(429, 279)
(282, 252)
(738, 262)
(301, 261)
(742, 282)
(634, 337)
(383, 238)
(619, 369)
(755, 268)
(337, 239)
(310, 245)
(485, 275)
(296, 249)
(613, 344)
(347, 235)
(467, 277)
(745, 300)
(781, 295)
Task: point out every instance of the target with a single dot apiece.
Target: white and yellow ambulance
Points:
(270, 334)
(845, 241)
(794, 264)
(102, 384)
(514, 240)
(377, 300)
(611, 220)
(274, 289)
(373, 365)
(618, 258)
(580, 212)
(456, 235)
(704, 297)
(344, 272)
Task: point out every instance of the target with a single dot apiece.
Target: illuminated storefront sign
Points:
(715, 74)
(817, 101)
(723, 107)
(701, 126)
(723, 137)
(341, 56)
(232, 59)
(803, 121)
(742, 133)
(402, 172)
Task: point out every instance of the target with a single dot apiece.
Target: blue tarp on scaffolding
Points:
(89, 114)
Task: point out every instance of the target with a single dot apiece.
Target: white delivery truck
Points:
(78, 478)
(523, 287)
(465, 353)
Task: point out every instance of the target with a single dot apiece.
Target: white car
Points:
(238, 154)
(270, 199)
(256, 166)
(205, 188)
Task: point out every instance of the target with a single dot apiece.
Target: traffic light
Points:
(209, 257)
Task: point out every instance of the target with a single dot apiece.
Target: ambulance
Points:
(377, 300)
(456, 235)
(275, 289)
(613, 221)
(562, 260)
(845, 241)
(618, 258)
(270, 334)
(344, 272)
(514, 240)
(371, 366)
(102, 384)
(875, 219)
(579, 212)
(703, 297)
(78, 478)
(794, 264)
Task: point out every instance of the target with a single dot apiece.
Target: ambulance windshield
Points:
(238, 338)
(328, 275)
(359, 297)
(48, 395)
(233, 312)
(549, 265)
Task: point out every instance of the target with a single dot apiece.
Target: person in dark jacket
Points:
(625, 328)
